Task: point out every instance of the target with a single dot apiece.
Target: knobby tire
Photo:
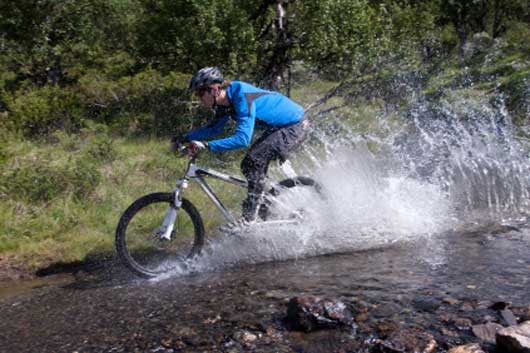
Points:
(134, 248)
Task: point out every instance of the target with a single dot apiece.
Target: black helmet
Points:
(204, 77)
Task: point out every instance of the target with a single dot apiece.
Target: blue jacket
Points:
(253, 108)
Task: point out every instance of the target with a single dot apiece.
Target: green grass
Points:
(38, 232)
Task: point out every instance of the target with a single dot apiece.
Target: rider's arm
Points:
(208, 131)
(240, 139)
(245, 116)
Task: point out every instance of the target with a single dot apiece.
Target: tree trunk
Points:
(497, 19)
(462, 36)
(275, 70)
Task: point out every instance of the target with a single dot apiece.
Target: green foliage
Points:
(45, 173)
(43, 39)
(193, 33)
(38, 111)
(145, 103)
(516, 36)
(40, 179)
(342, 36)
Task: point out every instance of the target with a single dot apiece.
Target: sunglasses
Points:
(201, 91)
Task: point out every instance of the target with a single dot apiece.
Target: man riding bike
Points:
(252, 108)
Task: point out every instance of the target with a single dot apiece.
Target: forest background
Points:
(90, 91)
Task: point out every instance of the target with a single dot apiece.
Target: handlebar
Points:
(190, 149)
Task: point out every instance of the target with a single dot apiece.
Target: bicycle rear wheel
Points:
(139, 244)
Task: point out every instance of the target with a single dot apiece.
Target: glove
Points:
(195, 146)
(176, 143)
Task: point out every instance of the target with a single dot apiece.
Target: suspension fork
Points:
(170, 217)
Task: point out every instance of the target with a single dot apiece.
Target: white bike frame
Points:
(197, 173)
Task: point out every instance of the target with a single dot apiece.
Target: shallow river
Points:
(242, 307)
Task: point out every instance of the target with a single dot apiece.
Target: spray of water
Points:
(438, 166)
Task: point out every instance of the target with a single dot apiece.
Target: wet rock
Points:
(361, 317)
(386, 310)
(514, 339)
(426, 304)
(276, 294)
(166, 342)
(468, 348)
(273, 333)
(521, 312)
(466, 307)
(508, 317)
(484, 304)
(312, 313)
(245, 337)
(408, 340)
(489, 318)
(361, 307)
(461, 323)
(450, 301)
(386, 328)
(212, 320)
(486, 332)
(499, 306)
(448, 333)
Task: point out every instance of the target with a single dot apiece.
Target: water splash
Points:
(411, 176)
(466, 144)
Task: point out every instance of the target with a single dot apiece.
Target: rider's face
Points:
(207, 94)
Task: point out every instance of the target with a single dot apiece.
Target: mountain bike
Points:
(160, 229)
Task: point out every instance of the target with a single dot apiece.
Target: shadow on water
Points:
(94, 272)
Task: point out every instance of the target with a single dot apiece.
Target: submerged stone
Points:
(467, 348)
(312, 313)
(486, 332)
(508, 317)
(426, 304)
(514, 339)
(521, 312)
(408, 340)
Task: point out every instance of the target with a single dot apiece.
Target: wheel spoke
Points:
(140, 243)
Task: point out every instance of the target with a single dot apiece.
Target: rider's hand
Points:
(176, 143)
(195, 146)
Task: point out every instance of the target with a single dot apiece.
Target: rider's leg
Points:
(274, 144)
(254, 167)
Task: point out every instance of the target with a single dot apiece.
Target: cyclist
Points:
(252, 108)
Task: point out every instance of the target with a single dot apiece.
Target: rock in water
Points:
(312, 313)
(486, 332)
(407, 340)
(468, 348)
(514, 339)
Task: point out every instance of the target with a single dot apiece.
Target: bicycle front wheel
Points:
(139, 243)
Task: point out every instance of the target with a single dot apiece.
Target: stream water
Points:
(417, 216)
(207, 312)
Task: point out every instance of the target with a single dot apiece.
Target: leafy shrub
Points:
(143, 104)
(517, 36)
(39, 111)
(40, 179)
(97, 142)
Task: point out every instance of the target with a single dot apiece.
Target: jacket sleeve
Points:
(208, 131)
(242, 136)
